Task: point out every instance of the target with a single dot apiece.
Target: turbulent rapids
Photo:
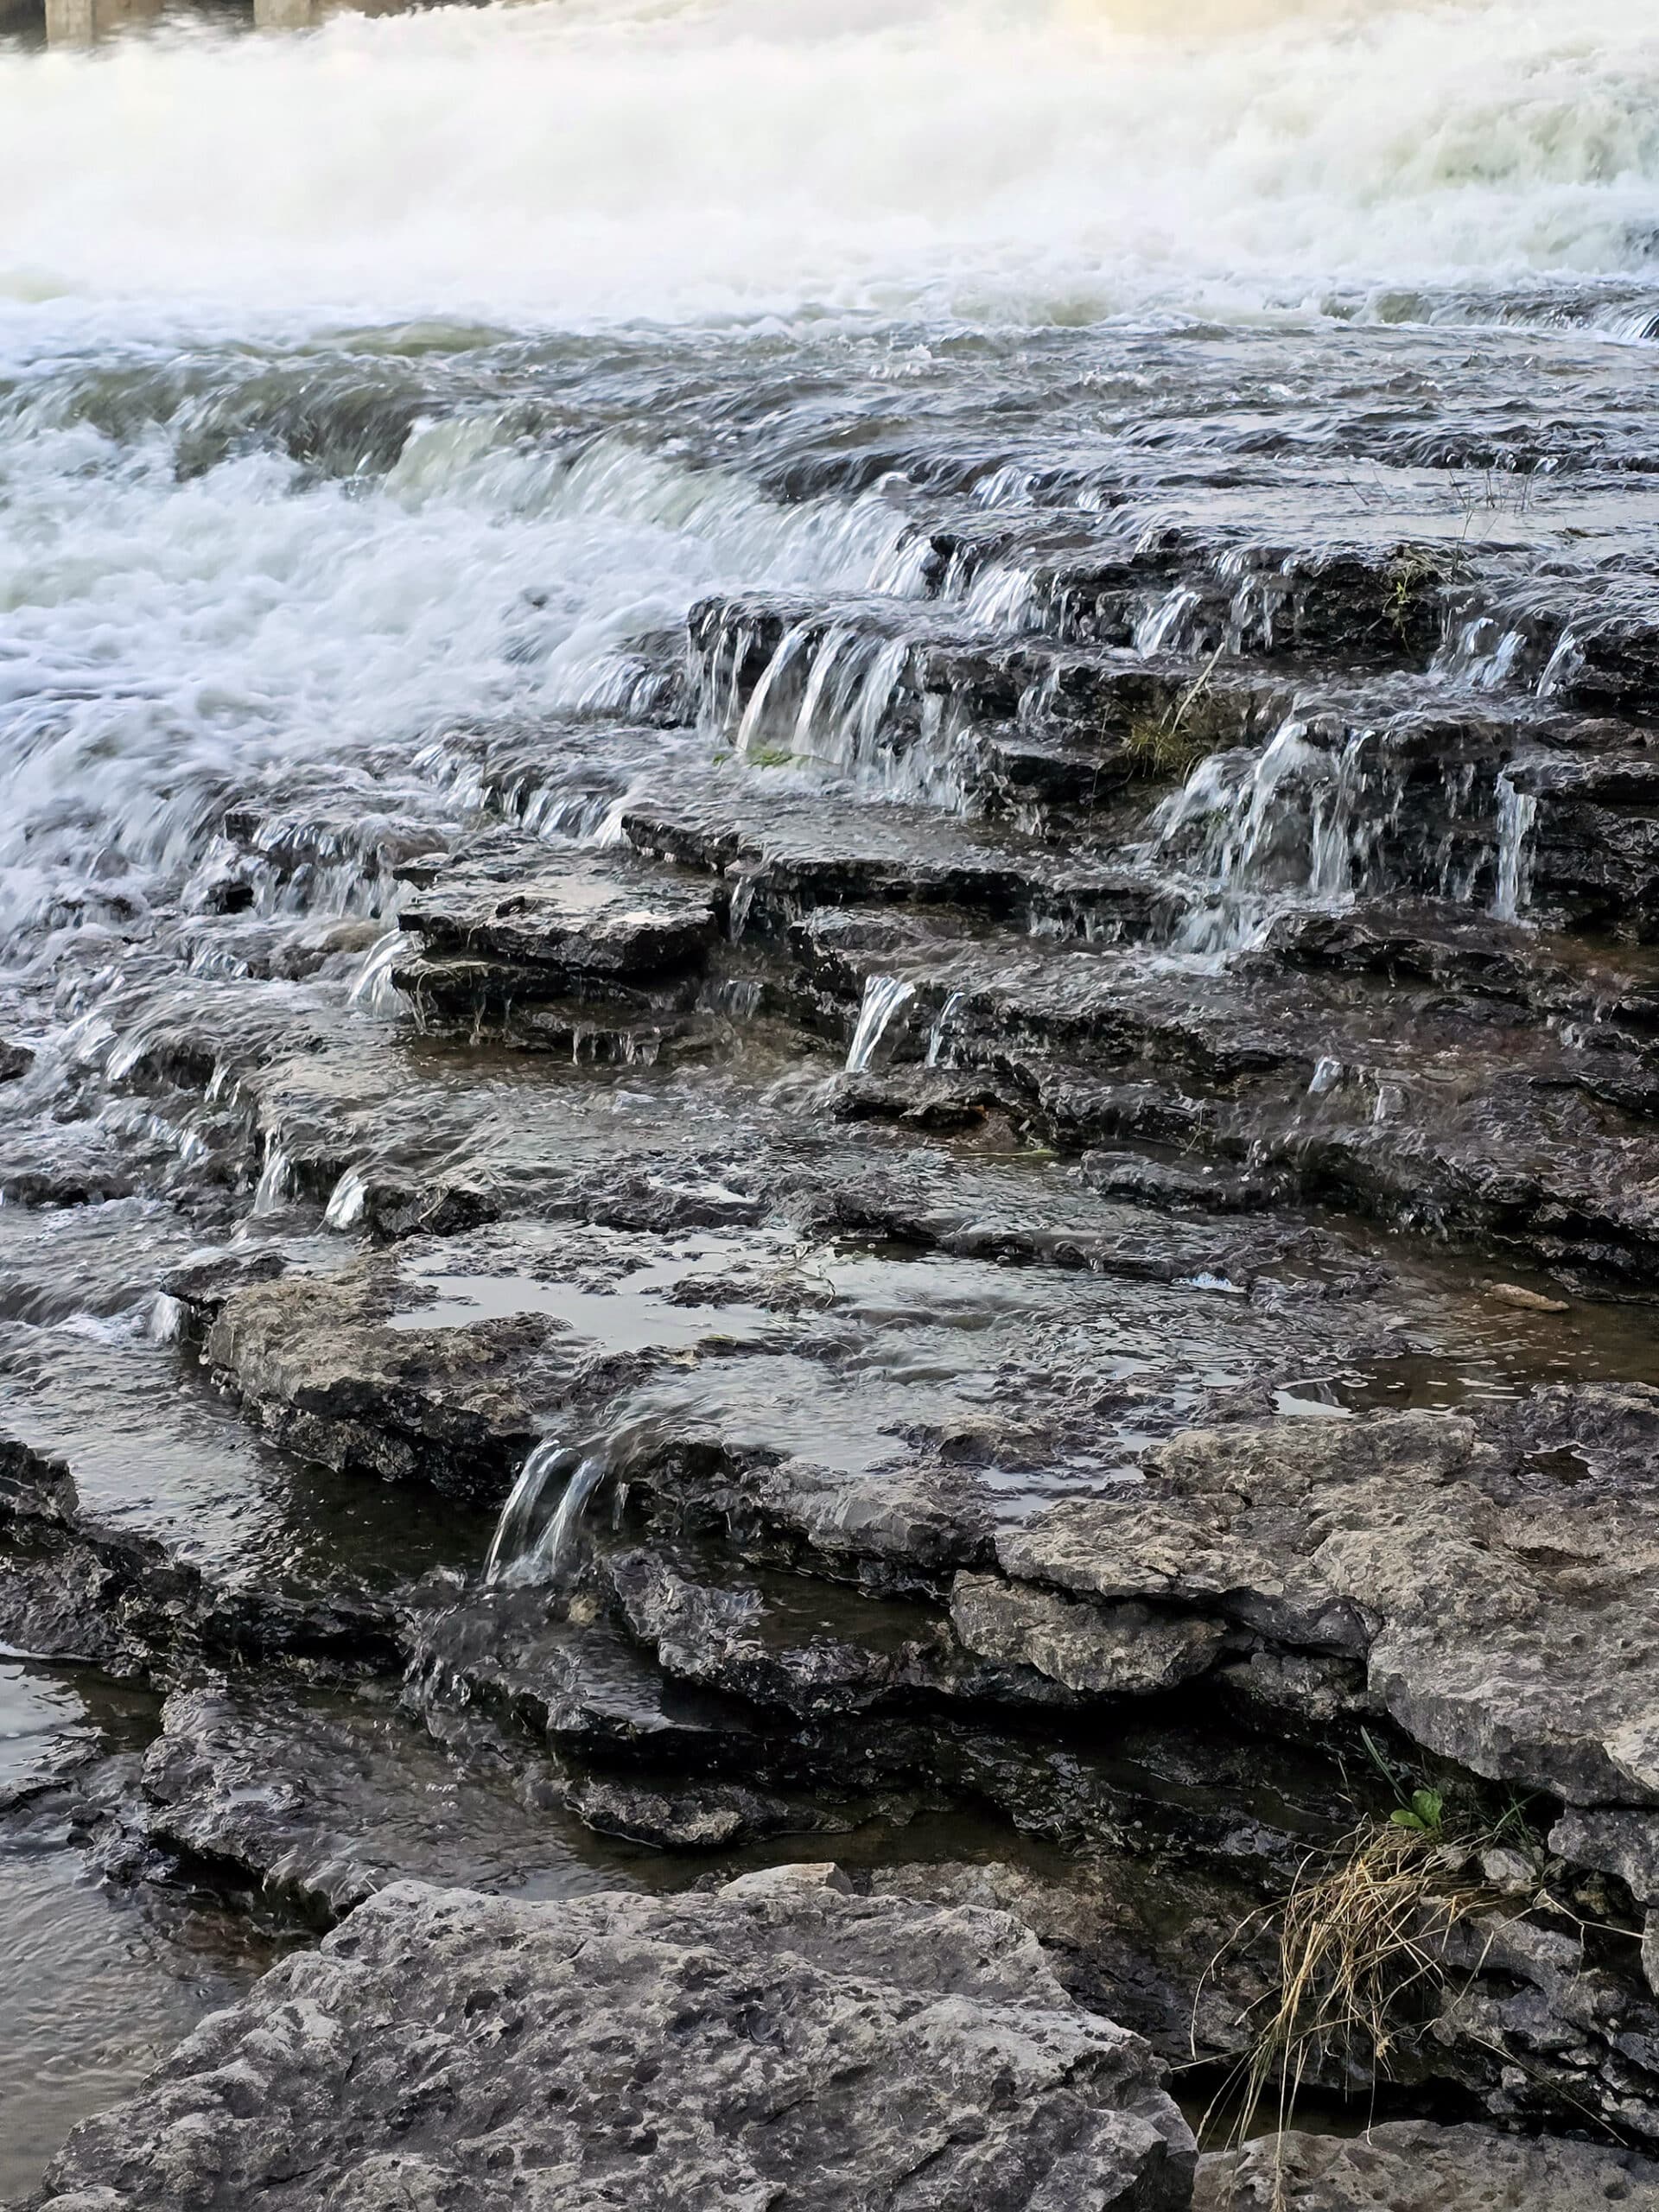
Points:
(828, 865)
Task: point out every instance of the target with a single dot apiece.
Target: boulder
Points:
(781, 2046)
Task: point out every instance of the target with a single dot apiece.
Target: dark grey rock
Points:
(320, 1802)
(779, 2045)
(540, 920)
(75, 1586)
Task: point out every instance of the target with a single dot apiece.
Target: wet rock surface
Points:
(991, 1207)
(322, 1804)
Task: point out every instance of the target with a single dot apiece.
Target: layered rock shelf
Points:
(763, 1407)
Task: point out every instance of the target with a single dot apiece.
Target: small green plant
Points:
(1413, 577)
(1424, 1815)
(1160, 750)
(1170, 745)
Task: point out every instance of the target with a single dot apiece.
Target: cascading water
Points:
(1295, 826)
(939, 1038)
(883, 442)
(535, 1541)
(1517, 810)
(885, 997)
(529, 1545)
(960, 160)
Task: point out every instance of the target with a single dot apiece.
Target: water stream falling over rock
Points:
(884, 998)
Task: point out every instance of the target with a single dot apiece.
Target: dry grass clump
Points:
(1361, 1942)
(1363, 1939)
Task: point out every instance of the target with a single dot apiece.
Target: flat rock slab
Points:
(515, 901)
(323, 1802)
(319, 1364)
(1513, 1633)
(791, 849)
(1415, 2166)
(1320, 1078)
(781, 2046)
(868, 1392)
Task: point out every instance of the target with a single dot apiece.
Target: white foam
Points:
(1001, 158)
(165, 638)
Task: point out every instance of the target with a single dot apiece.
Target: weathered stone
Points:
(546, 921)
(321, 1364)
(1379, 1538)
(1125, 1650)
(1544, 1150)
(203, 1283)
(1625, 1844)
(1415, 2166)
(789, 2046)
(1182, 1955)
(781, 853)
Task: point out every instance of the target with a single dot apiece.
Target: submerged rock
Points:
(320, 1802)
(76, 1586)
(779, 2045)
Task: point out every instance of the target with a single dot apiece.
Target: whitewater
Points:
(969, 160)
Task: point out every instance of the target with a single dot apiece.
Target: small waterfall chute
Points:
(535, 1540)
(937, 1036)
(512, 1545)
(884, 996)
(1517, 811)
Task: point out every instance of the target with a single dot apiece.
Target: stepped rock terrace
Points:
(829, 1190)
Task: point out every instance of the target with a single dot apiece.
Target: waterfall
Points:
(277, 1185)
(1297, 824)
(653, 160)
(347, 1200)
(936, 1036)
(512, 1549)
(532, 1545)
(1516, 813)
(883, 997)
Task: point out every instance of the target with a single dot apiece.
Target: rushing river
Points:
(375, 405)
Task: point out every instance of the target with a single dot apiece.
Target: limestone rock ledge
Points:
(780, 2046)
(1415, 2166)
